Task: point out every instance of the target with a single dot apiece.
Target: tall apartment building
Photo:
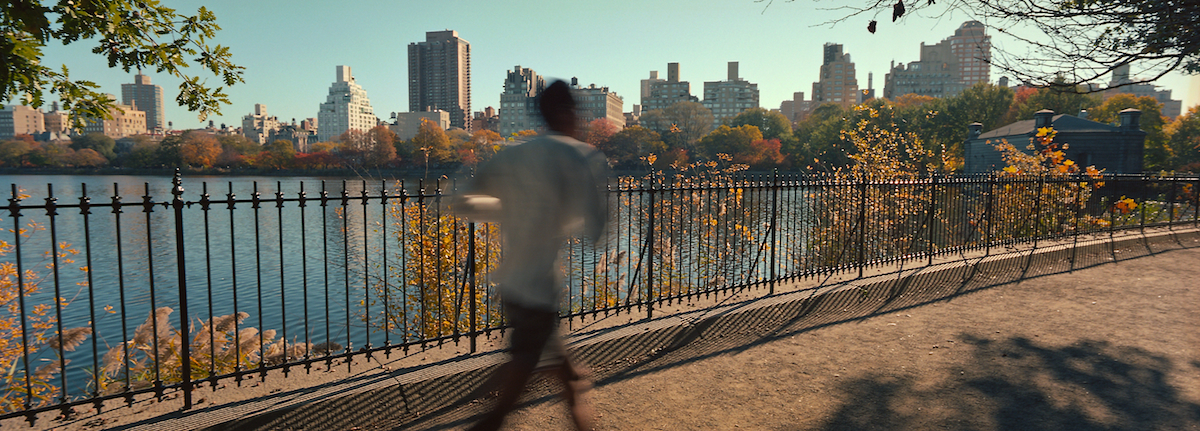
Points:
(646, 84)
(666, 93)
(146, 97)
(946, 68)
(837, 83)
(126, 121)
(594, 102)
(346, 108)
(20, 120)
(518, 107)
(1121, 83)
(439, 76)
(937, 74)
(259, 126)
(972, 46)
(730, 97)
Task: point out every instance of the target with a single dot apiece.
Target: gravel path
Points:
(1111, 347)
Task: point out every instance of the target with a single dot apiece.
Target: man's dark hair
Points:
(557, 106)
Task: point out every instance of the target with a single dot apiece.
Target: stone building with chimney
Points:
(1114, 149)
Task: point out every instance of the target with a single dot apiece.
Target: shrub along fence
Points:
(109, 297)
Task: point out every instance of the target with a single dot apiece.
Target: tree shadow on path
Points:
(1019, 384)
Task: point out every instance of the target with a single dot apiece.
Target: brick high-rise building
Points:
(439, 76)
(837, 83)
(147, 98)
(973, 48)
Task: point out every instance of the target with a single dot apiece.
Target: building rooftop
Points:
(1060, 122)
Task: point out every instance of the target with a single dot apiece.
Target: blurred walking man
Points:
(542, 192)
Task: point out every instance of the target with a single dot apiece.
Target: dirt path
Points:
(1114, 346)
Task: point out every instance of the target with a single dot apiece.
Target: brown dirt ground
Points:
(1114, 346)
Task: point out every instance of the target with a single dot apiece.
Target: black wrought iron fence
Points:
(107, 298)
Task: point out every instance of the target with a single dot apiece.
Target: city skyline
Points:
(613, 44)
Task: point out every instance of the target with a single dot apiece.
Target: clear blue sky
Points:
(289, 49)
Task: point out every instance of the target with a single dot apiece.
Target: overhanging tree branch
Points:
(130, 34)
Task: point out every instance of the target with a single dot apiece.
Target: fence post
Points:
(991, 196)
(929, 219)
(1171, 205)
(1037, 218)
(650, 258)
(471, 281)
(774, 221)
(862, 224)
(1145, 198)
(1196, 203)
(184, 336)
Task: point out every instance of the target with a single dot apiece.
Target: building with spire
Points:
(346, 108)
(147, 98)
(439, 76)
(730, 97)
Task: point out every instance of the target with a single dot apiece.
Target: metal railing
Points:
(294, 276)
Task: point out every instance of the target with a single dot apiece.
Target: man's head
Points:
(558, 108)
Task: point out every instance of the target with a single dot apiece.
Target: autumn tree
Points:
(15, 152)
(280, 154)
(429, 145)
(728, 140)
(142, 154)
(97, 142)
(522, 134)
(199, 149)
(1183, 143)
(381, 147)
(773, 126)
(598, 132)
(820, 137)
(85, 158)
(132, 35)
(1058, 98)
(942, 123)
(480, 148)
(681, 125)
(235, 148)
(628, 148)
(762, 155)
